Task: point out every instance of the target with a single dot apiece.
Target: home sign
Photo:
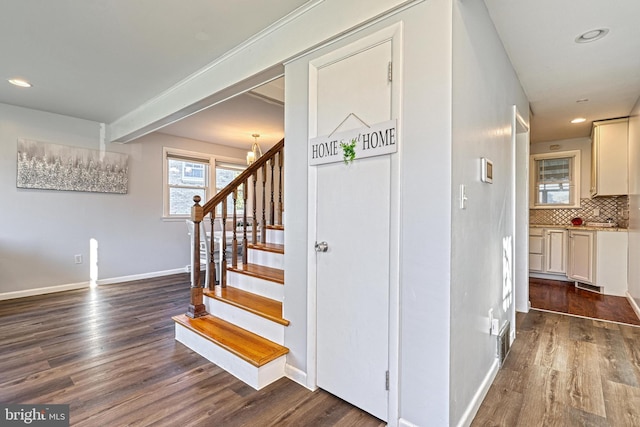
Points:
(368, 141)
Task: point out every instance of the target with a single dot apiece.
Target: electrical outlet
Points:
(78, 259)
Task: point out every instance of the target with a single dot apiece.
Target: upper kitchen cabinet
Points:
(609, 158)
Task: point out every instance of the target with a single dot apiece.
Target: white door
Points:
(353, 217)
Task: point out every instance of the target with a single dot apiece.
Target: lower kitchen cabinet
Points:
(536, 250)
(581, 256)
(548, 250)
(596, 260)
(556, 251)
(611, 262)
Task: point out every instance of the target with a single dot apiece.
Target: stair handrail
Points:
(198, 212)
(240, 179)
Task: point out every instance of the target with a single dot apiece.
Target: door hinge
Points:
(390, 71)
(386, 380)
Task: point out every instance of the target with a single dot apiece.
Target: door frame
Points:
(391, 33)
(520, 176)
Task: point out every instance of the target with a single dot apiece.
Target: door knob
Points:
(321, 246)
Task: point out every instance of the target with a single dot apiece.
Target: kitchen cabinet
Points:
(581, 256)
(547, 250)
(599, 259)
(593, 259)
(611, 262)
(556, 251)
(609, 158)
(536, 250)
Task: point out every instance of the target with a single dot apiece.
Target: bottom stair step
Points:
(249, 357)
(246, 345)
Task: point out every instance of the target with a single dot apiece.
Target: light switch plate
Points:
(463, 197)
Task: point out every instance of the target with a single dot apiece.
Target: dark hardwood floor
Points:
(564, 297)
(566, 371)
(110, 353)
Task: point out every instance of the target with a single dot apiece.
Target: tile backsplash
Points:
(616, 208)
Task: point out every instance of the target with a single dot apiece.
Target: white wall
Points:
(634, 203)
(582, 144)
(42, 230)
(425, 161)
(485, 88)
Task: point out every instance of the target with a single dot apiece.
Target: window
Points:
(225, 173)
(186, 175)
(555, 180)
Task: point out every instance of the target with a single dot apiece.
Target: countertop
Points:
(577, 227)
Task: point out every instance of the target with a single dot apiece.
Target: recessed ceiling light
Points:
(19, 82)
(579, 120)
(592, 35)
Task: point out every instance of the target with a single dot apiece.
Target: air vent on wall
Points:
(504, 343)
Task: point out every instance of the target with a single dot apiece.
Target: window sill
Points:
(175, 218)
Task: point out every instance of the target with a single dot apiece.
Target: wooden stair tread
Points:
(267, 247)
(257, 304)
(275, 227)
(246, 345)
(260, 271)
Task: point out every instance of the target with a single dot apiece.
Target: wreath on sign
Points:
(348, 151)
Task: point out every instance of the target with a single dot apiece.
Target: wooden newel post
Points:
(196, 306)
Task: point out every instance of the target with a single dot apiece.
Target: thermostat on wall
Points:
(487, 170)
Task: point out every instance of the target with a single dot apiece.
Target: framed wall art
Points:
(46, 166)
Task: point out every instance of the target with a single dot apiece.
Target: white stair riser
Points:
(246, 372)
(246, 320)
(255, 285)
(275, 236)
(265, 258)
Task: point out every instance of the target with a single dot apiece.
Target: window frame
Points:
(210, 182)
(230, 161)
(574, 183)
(210, 188)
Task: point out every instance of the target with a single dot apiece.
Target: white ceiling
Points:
(234, 121)
(555, 71)
(98, 60)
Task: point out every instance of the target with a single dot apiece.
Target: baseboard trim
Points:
(142, 276)
(560, 277)
(475, 403)
(634, 304)
(43, 291)
(82, 285)
(296, 375)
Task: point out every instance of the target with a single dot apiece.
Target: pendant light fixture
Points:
(256, 151)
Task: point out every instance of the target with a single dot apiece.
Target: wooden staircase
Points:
(239, 325)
